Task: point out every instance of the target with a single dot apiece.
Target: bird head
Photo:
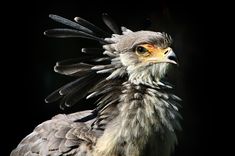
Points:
(145, 54)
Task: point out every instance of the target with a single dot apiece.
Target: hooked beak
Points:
(171, 57)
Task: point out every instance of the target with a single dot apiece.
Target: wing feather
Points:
(60, 135)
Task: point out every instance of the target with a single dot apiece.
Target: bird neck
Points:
(143, 112)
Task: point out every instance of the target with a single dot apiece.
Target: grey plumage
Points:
(111, 24)
(70, 23)
(90, 26)
(64, 33)
(136, 113)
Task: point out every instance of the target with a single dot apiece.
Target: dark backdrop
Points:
(30, 57)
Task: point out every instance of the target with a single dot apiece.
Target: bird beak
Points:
(171, 57)
(163, 55)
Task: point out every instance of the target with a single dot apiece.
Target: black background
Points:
(29, 58)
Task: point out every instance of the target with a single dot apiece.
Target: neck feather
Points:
(144, 111)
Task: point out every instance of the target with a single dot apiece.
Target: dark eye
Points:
(141, 50)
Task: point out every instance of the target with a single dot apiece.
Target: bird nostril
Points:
(166, 52)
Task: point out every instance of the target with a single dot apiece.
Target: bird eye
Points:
(140, 50)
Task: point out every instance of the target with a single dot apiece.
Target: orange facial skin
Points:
(152, 53)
